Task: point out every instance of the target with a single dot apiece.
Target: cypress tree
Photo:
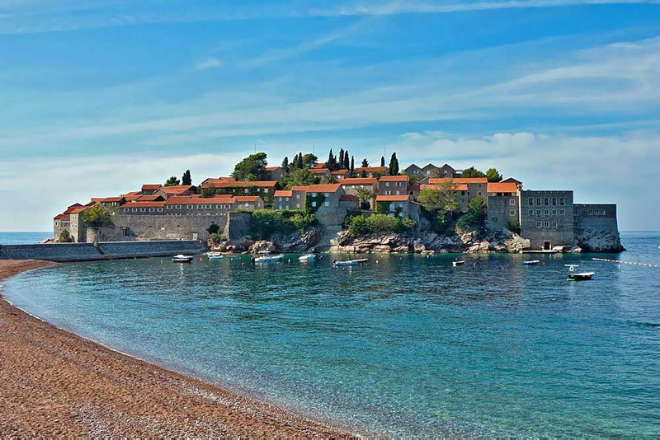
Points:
(301, 164)
(394, 166)
(340, 160)
(382, 161)
(186, 179)
(330, 164)
(285, 163)
(346, 161)
(365, 163)
(352, 166)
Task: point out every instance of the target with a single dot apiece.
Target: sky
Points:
(100, 96)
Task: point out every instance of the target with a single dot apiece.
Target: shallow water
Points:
(406, 345)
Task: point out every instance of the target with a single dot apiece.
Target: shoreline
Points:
(58, 383)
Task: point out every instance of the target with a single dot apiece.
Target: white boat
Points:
(457, 263)
(215, 256)
(306, 258)
(578, 276)
(182, 259)
(350, 262)
(268, 259)
(530, 262)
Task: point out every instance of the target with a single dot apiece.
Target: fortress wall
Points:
(161, 227)
(596, 228)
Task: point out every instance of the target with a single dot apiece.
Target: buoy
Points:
(201, 260)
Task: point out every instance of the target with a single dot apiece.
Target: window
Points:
(327, 203)
(152, 210)
(561, 212)
(160, 209)
(512, 213)
(554, 224)
(495, 219)
(546, 224)
(538, 224)
(387, 184)
(279, 198)
(143, 209)
(546, 212)
(286, 207)
(327, 194)
(246, 190)
(591, 212)
(286, 199)
(314, 204)
(398, 193)
(512, 202)
(388, 193)
(297, 196)
(554, 201)
(538, 213)
(297, 205)
(554, 212)
(531, 213)
(265, 190)
(561, 201)
(313, 194)
(538, 201)
(531, 201)
(134, 209)
(546, 201)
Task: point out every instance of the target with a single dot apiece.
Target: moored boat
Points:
(215, 256)
(530, 262)
(578, 276)
(268, 259)
(306, 258)
(350, 262)
(457, 263)
(182, 259)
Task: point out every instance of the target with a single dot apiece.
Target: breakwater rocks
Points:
(68, 252)
(430, 242)
(287, 243)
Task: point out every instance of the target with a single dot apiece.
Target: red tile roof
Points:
(178, 189)
(78, 209)
(108, 199)
(404, 198)
(299, 188)
(192, 200)
(503, 187)
(371, 169)
(340, 172)
(143, 205)
(151, 198)
(318, 165)
(60, 216)
(329, 188)
(461, 187)
(217, 183)
(439, 180)
(394, 179)
(283, 194)
(243, 199)
(151, 186)
(271, 168)
(319, 171)
(358, 181)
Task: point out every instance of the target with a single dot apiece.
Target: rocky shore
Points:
(56, 384)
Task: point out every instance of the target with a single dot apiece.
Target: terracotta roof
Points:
(319, 170)
(394, 179)
(461, 187)
(74, 205)
(78, 209)
(217, 183)
(404, 198)
(133, 195)
(151, 198)
(358, 181)
(271, 168)
(340, 172)
(318, 165)
(347, 198)
(108, 199)
(60, 216)
(242, 199)
(143, 205)
(439, 180)
(371, 169)
(151, 186)
(503, 187)
(329, 188)
(299, 188)
(191, 200)
(283, 194)
(178, 189)
(511, 179)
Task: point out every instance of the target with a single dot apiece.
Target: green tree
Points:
(209, 192)
(340, 159)
(172, 181)
(347, 162)
(187, 178)
(300, 177)
(213, 229)
(331, 164)
(365, 163)
(326, 180)
(472, 172)
(493, 175)
(309, 160)
(285, 164)
(475, 217)
(440, 201)
(393, 169)
(352, 166)
(382, 161)
(251, 168)
(65, 237)
(364, 196)
(514, 226)
(97, 216)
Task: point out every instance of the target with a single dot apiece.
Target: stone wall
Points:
(596, 228)
(160, 227)
(238, 226)
(547, 219)
(500, 209)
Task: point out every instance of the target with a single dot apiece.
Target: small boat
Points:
(457, 263)
(350, 262)
(530, 262)
(306, 258)
(215, 256)
(182, 259)
(268, 259)
(578, 276)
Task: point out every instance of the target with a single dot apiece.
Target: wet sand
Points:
(53, 382)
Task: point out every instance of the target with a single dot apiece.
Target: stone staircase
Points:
(330, 238)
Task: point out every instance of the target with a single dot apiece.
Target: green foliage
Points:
(217, 238)
(309, 160)
(382, 161)
(251, 168)
(208, 192)
(97, 216)
(441, 224)
(381, 207)
(475, 218)
(412, 180)
(394, 165)
(332, 163)
(347, 162)
(312, 207)
(441, 200)
(365, 163)
(326, 180)
(265, 223)
(472, 172)
(379, 223)
(285, 164)
(340, 160)
(493, 175)
(364, 196)
(213, 229)
(352, 169)
(187, 178)
(377, 174)
(514, 226)
(65, 237)
(172, 181)
(299, 177)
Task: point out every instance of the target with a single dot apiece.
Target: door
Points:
(547, 246)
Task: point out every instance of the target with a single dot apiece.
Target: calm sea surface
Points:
(405, 346)
(23, 237)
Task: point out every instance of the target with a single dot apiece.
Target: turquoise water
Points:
(405, 346)
(23, 237)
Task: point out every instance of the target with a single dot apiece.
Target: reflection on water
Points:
(405, 345)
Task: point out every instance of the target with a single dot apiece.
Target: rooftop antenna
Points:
(313, 147)
(255, 148)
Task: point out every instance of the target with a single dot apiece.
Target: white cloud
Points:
(210, 63)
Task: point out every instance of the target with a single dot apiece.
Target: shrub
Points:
(514, 226)
(358, 225)
(65, 237)
(265, 223)
(379, 223)
(475, 218)
(216, 238)
(97, 216)
(213, 229)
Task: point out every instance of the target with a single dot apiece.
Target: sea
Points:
(403, 346)
(23, 237)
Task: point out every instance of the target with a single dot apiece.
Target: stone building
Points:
(596, 228)
(547, 218)
(283, 200)
(393, 185)
(262, 188)
(371, 171)
(503, 205)
(431, 170)
(174, 191)
(351, 186)
(276, 173)
(460, 190)
(476, 186)
(150, 188)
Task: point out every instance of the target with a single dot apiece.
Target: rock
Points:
(402, 249)
(262, 247)
(381, 249)
(419, 247)
(590, 240)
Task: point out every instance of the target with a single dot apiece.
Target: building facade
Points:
(547, 218)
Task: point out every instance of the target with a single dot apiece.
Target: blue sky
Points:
(101, 96)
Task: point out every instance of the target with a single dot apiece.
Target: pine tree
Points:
(365, 163)
(346, 160)
(186, 179)
(394, 166)
(382, 161)
(332, 161)
(340, 160)
(285, 164)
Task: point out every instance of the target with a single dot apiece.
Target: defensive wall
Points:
(596, 228)
(157, 227)
(68, 252)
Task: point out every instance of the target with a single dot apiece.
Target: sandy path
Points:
(55, 383)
